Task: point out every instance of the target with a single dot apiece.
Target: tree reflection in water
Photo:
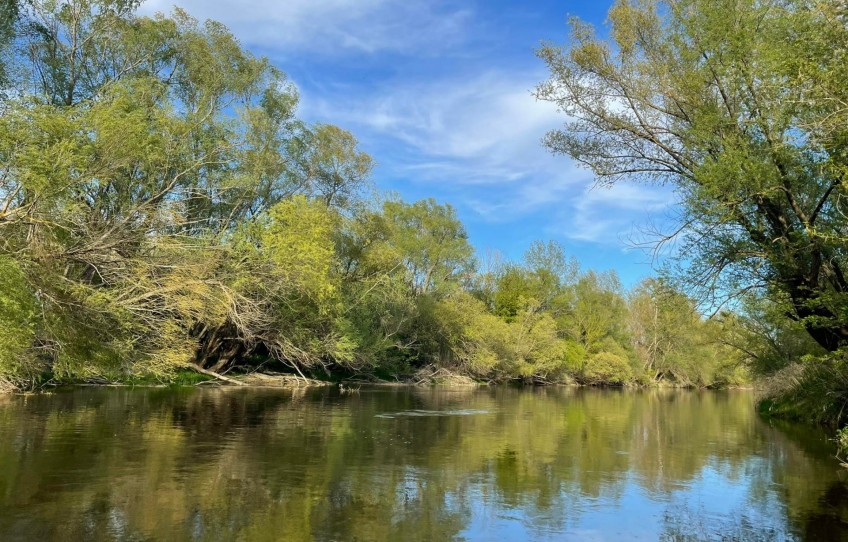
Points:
(491, 463)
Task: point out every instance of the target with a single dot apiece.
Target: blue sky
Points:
(439, 93)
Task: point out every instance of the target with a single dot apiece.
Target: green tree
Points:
(130, 150)
(162, 206)
(513, 292)
(18, 321)
(9, 11)
(674, 342)
(607, 368)
(551, 271)
(331, 165)
(431, 242)
(760, 330)
(287, 275)
(737, 104)
(597, 311)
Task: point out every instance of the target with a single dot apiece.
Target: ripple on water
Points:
(431, 413)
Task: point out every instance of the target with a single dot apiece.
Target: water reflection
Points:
(399, 464)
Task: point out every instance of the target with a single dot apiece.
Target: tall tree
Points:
(331, 165)
(739, 104)
(672, 340)
(129, 154)
(596, 316)
(431, 241)
(9, 11)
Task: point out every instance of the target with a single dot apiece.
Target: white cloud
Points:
(455, 117)
(331, 26)
(471, 130)
(480, 137)
(607, 214)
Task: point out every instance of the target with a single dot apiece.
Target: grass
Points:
(815, 390)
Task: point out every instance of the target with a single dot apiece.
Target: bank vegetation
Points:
(163, 208)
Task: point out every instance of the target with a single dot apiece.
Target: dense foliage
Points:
(162, 207)
(740, 105)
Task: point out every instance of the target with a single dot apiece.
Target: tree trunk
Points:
(213, 374)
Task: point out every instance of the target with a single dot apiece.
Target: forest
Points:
(164, 210)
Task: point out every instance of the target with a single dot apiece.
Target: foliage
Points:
(595, 311)
(332, 167)
(18, 320)
(163, 208)
(673, 342)
(810, 390)
(737, 105)
(607, 368)
(431, 242)
(726, 101)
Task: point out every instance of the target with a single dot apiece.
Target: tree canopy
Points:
(736, 104)
(163, 207)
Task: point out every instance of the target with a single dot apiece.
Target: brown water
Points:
(411, 464)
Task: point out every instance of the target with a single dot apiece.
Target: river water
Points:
(404, 464)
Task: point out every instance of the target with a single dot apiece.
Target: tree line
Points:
(162, 207)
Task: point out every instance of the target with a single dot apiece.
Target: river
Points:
(402, 464)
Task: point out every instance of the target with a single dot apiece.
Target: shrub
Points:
(607, 368)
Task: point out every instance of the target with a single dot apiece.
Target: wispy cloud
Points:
(478, 131)
(332, 26)
(616, 214)
(479, 136)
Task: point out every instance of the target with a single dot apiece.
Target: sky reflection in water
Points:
(411, 464)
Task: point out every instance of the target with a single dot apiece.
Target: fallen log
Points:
(213, 374)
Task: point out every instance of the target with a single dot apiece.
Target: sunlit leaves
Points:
(736, 104)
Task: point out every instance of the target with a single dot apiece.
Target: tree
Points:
(513, 292)
(607, 368)
(760, 331)
(332, 166)
(551, 272)
(162, 207)
(675, 343)
(737, 104)
(131, 149)
(18, 311)
(431, 242)
(596, 313)
(9, 11)
(284, 268)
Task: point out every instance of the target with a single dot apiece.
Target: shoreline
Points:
(444, 379)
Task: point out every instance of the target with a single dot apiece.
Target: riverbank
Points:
(427, 376)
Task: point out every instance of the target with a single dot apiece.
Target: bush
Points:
(814, 390)
(18, 308)
(607, 368)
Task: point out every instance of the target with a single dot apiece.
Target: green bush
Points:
(18, 308)
(814, 390)
(607, 368)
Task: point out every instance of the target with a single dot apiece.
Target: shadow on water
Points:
(411, 464)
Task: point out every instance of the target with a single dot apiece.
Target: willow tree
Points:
(8, 17)
(132, 151)
(330, 164)
(740, 106)
(431, 242)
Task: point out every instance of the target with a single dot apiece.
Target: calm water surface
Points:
(411, 464)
